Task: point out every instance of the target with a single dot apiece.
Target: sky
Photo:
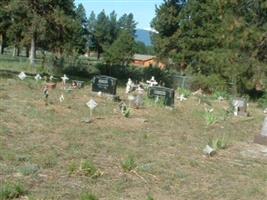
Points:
(143, 10)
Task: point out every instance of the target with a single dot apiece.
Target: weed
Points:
(72, 168)
(210, 118)
(185, 92)
(128, 164)
(218, 143)
(29, 169)
(87, 168)
(88, 196)
(220, 94)
(149, 197)
(127, 113)
(11, 191)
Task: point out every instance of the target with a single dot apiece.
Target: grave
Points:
(240, 107)
(162, 93)
(104, 84)
(262, 137)
(77, 84)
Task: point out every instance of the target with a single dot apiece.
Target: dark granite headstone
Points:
(262, 137)
(162, 93)
(105, 84)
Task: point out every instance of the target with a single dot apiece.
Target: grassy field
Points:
(48, 152)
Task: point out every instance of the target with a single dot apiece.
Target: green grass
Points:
(11, 191)
(57, 156)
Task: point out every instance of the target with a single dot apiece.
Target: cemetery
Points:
(133, 100)
(59, 139)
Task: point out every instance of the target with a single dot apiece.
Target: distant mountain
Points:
(143, 36)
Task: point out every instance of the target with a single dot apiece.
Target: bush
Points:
(262, 102)
(209, 84)
(11, 191)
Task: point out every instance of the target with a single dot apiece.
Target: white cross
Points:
(64, 79)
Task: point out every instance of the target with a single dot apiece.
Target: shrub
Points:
(262, 102)
(128, 164)
(11, 191)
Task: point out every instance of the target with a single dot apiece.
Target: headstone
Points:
(162, 93)
(22, 75)
(262, 137)
(77, 84)
(105, 84)
(240, 107)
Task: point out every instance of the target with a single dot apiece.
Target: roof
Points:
(143, 57)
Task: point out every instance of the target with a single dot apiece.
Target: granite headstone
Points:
(105, 84)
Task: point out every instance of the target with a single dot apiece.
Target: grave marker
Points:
(166, 94)
(22, 75)
(262, 137)
(105, 84)
(240, 107)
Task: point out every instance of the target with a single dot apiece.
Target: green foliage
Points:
(128, 164)
(127, 113)
(88, 196)
(185, 92)
(29, 169)
(149, 197)
(218, 94)
(262, 102)
(218, 143)
(210, 118)
(122, 50)
(11, 191)
(88, 168)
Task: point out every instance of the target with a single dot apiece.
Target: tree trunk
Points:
(18, 51)
(27, 52)
(14, 51)
(32, 50)
(1, 43)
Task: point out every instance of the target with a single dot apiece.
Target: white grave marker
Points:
(22, 76)
(64, 79)
(61, 98)
(152, 82)
(92, 105)
(38, 77)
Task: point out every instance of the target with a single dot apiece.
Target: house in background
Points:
(141, 60)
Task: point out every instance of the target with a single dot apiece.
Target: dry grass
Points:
(41, 145)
